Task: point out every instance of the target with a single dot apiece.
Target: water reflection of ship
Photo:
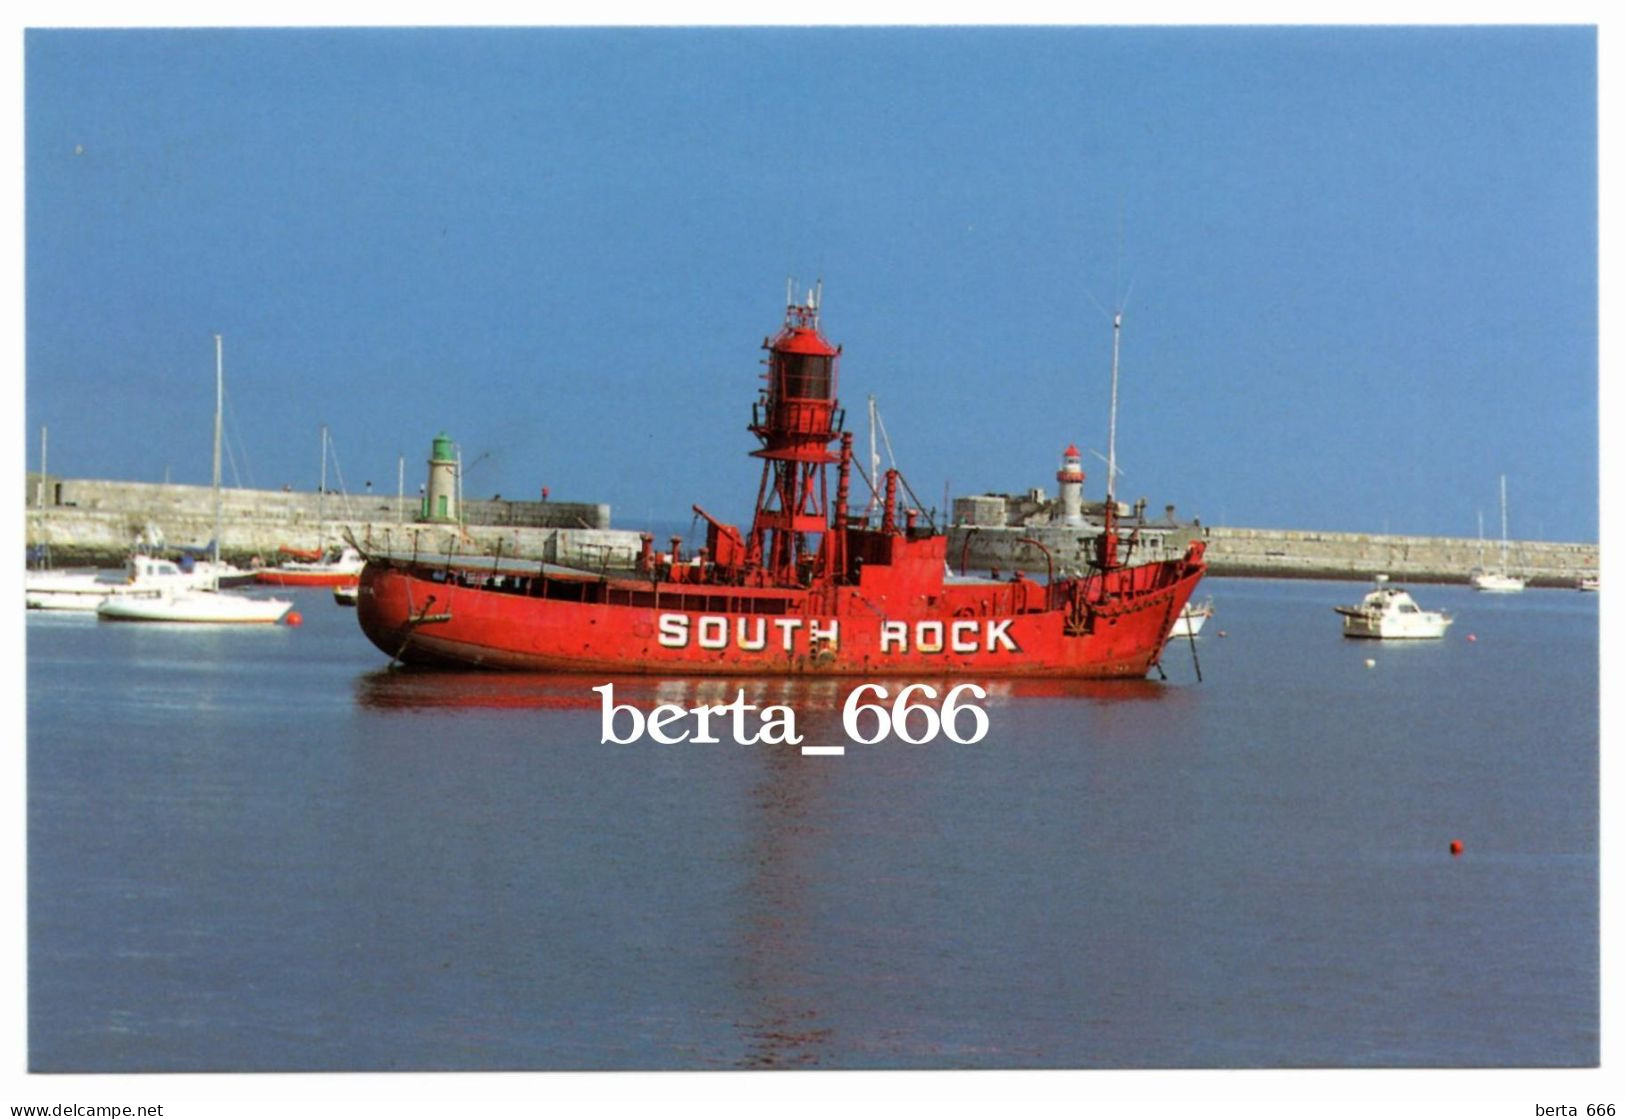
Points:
(831, 879)
(817, 702)
(786, 835)
(409, 689)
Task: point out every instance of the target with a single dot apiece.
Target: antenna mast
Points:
(874, 459)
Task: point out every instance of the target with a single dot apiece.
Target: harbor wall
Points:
(1278, 553)
(1068, 549)
(1290, 553)
(99, 522)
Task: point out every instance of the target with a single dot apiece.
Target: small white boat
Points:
(218, 573)
(86, 590)
(346, 596)
(204, 607)
(1190, 620)
(1589, 583)
(65, 590)
(1390, 612)
(1501, 581)
(1495, 582)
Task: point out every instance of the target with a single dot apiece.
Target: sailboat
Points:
(340, 570)
(207, 605)
(81, 591)
(1501, 581)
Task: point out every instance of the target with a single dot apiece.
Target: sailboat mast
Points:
(321, 497)
(219, 409)
(1503, 523)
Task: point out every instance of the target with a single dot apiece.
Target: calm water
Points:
(261, 850)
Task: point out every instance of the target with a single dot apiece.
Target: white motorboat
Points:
(347, 595)
(206, 607)
(215, 572)
(1588, 583)
(1500, 581)
(1390, 612)
(1190, 620)
(84, 591)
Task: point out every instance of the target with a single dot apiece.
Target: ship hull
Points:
(420, 616)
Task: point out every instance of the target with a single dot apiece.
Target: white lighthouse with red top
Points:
(1070, 476)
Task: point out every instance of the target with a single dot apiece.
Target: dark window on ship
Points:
(805, 376)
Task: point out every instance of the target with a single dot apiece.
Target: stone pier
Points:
(100, 522)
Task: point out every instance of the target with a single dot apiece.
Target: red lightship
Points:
(810, 590)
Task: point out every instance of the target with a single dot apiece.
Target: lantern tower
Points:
(796, 418)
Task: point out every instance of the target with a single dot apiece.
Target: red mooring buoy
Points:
(1472, 637)
(1456, 847)
(295, 619)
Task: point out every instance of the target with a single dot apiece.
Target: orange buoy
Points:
(1456, 847)
(295, 618)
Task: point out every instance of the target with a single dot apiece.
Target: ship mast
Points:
(1111, 429)
(1106, 545)
(874, 461)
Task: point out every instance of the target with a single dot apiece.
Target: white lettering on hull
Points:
(750, 634)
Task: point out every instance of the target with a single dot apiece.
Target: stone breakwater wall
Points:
(1287, 553)
(1035, 549)
(1277, 553)
(98, 523)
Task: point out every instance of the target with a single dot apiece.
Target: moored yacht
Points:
(1391, 612)
(206, 607)
(1495, 582)
(1501, 580)
(84, 591)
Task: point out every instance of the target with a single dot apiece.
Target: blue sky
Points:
(1359, 265)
